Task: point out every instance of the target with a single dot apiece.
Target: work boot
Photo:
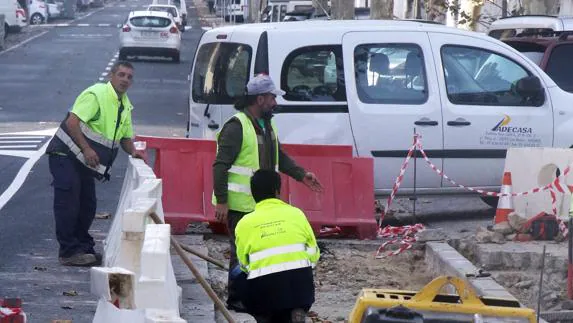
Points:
(99, 258)
(79, 260)
(298, 315)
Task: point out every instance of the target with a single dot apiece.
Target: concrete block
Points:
(113, 284)
(135, 218)
(155, 251)
(106, 312)
(162, 316)
(156, 293)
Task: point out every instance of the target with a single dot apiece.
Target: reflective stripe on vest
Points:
(277, 268)
(67, 140)
(275, 251)
(96, 137)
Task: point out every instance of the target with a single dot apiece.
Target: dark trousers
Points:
(232, 219)
(75, 205)
(284, 316)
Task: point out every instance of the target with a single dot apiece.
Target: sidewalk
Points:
(207, 19)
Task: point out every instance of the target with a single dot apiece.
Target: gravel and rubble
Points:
(343, 270)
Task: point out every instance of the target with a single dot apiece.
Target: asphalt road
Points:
(38, 84)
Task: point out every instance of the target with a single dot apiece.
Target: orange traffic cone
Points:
(505, 203)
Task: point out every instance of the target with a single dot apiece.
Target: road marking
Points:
(21, 137)
(33, 158)
(61, 25)
(16, 146)
(19, 141)
(83, 25)
(23, 43)
(103, 25)
(104, 74)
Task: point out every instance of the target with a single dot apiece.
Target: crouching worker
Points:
(277, 251)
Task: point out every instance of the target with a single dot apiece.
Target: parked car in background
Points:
(171, 10)
(55, 8)
(181, 7)
(150, 33)
(512, 26)
(552, 51)
(15, 16)
(37, 11)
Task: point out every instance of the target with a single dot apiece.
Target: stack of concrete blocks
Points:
(137, 283)
(537, 167)
(2, 35)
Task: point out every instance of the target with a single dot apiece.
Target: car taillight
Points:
(126, 29)
(174, 30)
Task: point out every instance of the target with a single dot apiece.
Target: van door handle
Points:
(426, 123)
(213, 125)
(461, 122)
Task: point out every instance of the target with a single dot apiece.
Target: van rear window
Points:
(150, 21)
(221, 72)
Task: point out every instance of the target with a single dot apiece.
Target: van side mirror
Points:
(530, 88)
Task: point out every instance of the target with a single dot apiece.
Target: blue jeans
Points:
(75, 205)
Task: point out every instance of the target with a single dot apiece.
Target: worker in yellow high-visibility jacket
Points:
(277, 250)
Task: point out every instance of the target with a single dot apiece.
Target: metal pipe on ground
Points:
(218, 303)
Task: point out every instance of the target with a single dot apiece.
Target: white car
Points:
(38, 12)
(169, 9)
(150, 33)
(55, 8)
(181, 7)
(15, 16)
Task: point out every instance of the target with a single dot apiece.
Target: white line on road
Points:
(101, 79)
(21, 137)
(19, 141)
(104, 74)
(108, 69)
(103, 25)
(18, 146)
(23, 43)
(33, 157)
(61, 25)
(83, 25)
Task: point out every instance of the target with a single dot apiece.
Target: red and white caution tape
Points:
(405, 236)
(406, 231)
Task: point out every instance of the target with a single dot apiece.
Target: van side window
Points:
(390, 74)
(559, 66)
(314, 73)
(221, 72)
(475, 76)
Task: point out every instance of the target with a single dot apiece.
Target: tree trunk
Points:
(541, 7)
(254, 7)
(321, 7)
(382, 9)
(342, 9)
(436, 10)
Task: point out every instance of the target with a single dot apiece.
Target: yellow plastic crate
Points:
(463, 307)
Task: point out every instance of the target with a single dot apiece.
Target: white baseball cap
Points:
(262, 84)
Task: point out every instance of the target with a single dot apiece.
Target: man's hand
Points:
(311, 181)
(138, 154)
(221, 212)
(91, 157)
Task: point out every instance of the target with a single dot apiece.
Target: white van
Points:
(180, 4)
(371, 84)
(512, 26)
(15, 16)
(276, 10)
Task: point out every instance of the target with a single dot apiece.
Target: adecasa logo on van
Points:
(503, 126)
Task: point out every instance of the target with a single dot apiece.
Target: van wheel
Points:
(490, 200)
(36, 19)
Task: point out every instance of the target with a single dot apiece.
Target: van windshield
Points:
(221, 72)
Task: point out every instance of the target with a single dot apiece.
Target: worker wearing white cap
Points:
(248, 142)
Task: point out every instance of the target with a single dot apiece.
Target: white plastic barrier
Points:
(537, 167)
(137, 283)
